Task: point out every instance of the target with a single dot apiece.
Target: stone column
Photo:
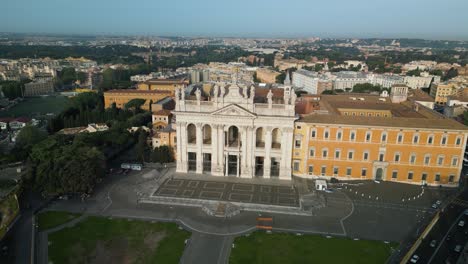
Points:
(220, 152)
(199, 128)
(245, 171)
(267, 160)
(183, 147)
(179, 147)
(286, 153)
(214, 149)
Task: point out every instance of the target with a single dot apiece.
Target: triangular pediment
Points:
(233, 110)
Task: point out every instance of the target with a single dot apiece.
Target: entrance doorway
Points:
(206, 162)
(192, 161)
(274, 171)
(259, 166)
(232, 165)
(379, 174)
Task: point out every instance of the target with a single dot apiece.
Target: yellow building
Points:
(442, 91)
(266, 75)
(356, 137)
(121, 97)
(163, 84)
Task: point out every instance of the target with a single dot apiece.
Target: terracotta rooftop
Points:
(393, 122)
(406, 114)
(167, 81)
(163, 112)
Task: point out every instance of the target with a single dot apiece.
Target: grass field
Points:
(260, 247)
(103, 240)
(49, 219)
(37, 105)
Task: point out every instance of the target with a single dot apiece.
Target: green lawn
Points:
(261, 247)
(49, 219)
(37, 105)
(103, 240)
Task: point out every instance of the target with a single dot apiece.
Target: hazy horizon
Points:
(250, 19)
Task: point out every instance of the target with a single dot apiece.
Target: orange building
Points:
(163, 84)
(357, 137)
(121, 97)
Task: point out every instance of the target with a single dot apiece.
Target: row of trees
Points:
(13, 89)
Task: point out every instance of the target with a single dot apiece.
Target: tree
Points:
(135, 104)
(450, 74)
(67, 76)
(366, 88)
(59, 166)
(415, 72)
(281, 77)
(318, 67)
(26, 139)
(141, 145)
(81, 76)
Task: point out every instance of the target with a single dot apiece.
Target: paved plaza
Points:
(229, 191)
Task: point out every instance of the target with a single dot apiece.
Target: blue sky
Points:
(432, 19)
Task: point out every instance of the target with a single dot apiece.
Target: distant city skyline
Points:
(428, 19)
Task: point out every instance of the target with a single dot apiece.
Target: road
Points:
(446, 233)
(19, 238)
(202, 248)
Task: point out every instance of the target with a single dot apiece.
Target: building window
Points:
(415, 139)
(400, 138)
(348, 171)
(297, 143)
(444, 140)
(311, 169)
(394, 174)
(339, 135)
(366, 156)
(368, 136)
(326, 134)
(454, 161)
(350, 154)
(437, 177)
(311, 152)
(440, 160)
(427, 159)
(430, 139)
(423, 176)
(324, 153)
(458, 141)
(337, 153)
(324, 170)
(381, 156)
(451, 178)
(296, 165)
(313, 134)
(410, 175)
(384, 137)
(335, 170)
(397, 157)
(363, 172)
(413, 158)
(352, 136)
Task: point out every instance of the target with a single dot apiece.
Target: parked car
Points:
(438, 202)
(414, 259)
(461, 223)
(457, 248)
(434, 206)
(433, 243)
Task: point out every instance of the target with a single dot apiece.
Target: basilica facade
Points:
(238, 131)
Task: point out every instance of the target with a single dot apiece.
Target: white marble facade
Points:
(232, 135)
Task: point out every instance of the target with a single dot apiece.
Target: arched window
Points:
(191, 134)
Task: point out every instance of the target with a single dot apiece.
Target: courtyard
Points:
(229, 192)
